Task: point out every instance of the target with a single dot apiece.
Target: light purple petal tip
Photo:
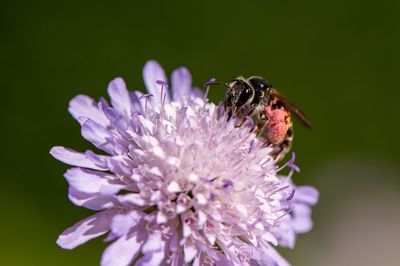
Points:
(307, 194)
(119, 94)
(302, 222)
(83, 107)
(89, 228)
(196, 92)
(181, 80)
(72, 157)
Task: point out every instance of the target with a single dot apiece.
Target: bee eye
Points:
(245, 95)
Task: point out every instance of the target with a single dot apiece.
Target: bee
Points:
(271, 112)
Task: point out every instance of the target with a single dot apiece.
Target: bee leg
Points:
(241, 123)
(262, 124)
(281, 149)
(247, 119)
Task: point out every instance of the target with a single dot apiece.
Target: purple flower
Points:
(179, 183)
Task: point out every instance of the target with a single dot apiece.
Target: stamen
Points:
(213, 196)
(162, 83)
(290, 164)
(277, 190)
(146, 96)
(251, 122)
(291, 195)
(287, 211)
(163, 95)
(226, 183)
(252, 145)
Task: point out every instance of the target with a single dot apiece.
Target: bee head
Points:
(240, 94)
(259, 83)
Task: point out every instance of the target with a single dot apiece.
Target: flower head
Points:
(179, 183)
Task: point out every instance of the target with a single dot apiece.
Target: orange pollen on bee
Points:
(279, 121)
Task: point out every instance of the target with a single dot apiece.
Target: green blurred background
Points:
(338, 60)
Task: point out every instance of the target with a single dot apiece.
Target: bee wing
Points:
(293, 109)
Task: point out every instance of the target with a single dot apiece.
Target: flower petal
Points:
(97, 134)
(196, 92)
(301, 221)
(121, 165)
(306, 194)
(153, 243)
(90, 181)
(153, 258)
(83, 107)
(94, 201)
(86, 229)
(132, 198)
(135, 102)
(152, 72)
(72, 157)
(272, 257)
(120, 98)
(99, 160)
(122, 252)
(190, 251)
(287, 238)
(122, 223)
(181, 81)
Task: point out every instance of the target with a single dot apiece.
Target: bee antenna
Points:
(210, 83)
(213, 81)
